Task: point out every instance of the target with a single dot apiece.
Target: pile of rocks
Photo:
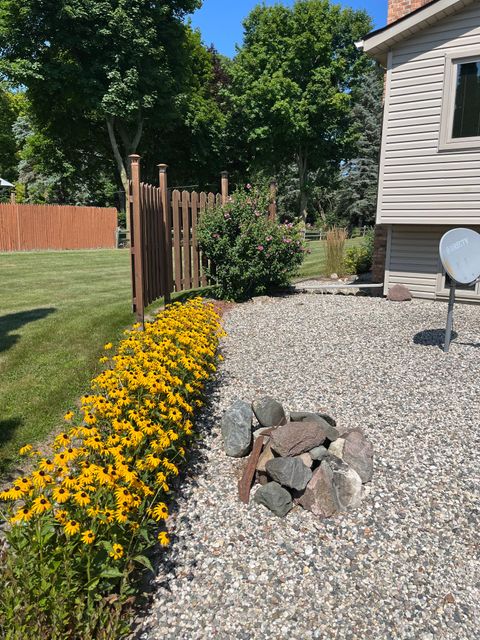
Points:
(304, 459)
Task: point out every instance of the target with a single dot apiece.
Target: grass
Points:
(57, 310)
(314, 264)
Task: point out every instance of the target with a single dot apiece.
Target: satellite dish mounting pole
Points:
(451, 305)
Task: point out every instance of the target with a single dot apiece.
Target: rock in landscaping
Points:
(399, 293)
(274, 497)
(307, 416)
(325, 421)
(237, 429)
(295, 438)
(319, 453)
(347, 484)
(306, 459)
(319, 496)
(358, 453)
(258, 432)
(265, 456)
(269, 412)
(336, 448)
(289, 472)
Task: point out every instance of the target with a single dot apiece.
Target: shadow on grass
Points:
(7, 430)
(432, 338)
(14, 321)
(164, 560)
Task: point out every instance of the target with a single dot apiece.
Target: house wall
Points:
(419, 184)
(413, 260)
(399, 8)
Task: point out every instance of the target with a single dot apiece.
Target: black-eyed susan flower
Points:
(68, 416)
(160, 512)
(71, 527)
(163, 538)
(25, 450)
(117, 551)
(22, 515)
(87, 537)
(82, 498)
(60, 494)
(40, 505)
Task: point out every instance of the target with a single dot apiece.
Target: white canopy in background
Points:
(4, 183)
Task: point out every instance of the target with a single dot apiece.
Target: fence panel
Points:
(25, 227)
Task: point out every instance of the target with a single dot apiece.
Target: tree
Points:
(91, 64)
(9, 106)
(357, 197)
(291, 87)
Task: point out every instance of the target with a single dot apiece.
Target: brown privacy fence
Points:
(29, 227)
(163, 237)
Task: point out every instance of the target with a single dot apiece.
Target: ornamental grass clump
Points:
(83, 521)
(248, 253)
(335, 251)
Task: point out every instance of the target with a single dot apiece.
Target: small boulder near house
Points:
(430, 155)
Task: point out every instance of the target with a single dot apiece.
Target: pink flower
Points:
(269, 238)
(260, 247)
(226, 216)
(287, 240)
(258, 213)
(249, 186)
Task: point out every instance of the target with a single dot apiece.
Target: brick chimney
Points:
(399, 8)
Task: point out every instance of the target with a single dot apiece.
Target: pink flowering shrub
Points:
(251, 254)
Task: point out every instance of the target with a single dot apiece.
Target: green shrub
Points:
(359, 259)
(249, 253)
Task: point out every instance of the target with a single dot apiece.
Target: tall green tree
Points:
(291, 87)
(9, 108)
(357, 195)
(97, 65)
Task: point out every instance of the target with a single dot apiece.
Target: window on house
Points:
(466, 119)
(460, 123)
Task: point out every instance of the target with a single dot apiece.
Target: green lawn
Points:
(314, 264)
(57, 310)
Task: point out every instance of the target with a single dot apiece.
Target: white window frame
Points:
(443, 290)
(447, 142)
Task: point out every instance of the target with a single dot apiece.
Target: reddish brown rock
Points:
(358, 453)
(399, 293)
(319, 496)
(295, 438)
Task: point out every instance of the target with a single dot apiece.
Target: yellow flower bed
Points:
(102, 492)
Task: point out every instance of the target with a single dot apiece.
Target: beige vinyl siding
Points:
(420, 184)
(413, 260)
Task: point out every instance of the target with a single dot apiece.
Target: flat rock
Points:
(274, 497)
(266, 455)
(289, 472)
(269, 412)
(318, 453)
(399, 293)
(319, 495)
(309, 416)
(306, 459)
(347, 484)
(358, 453)
(237, 429)
(295, 438)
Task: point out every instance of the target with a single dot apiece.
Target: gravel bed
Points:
(404, 565)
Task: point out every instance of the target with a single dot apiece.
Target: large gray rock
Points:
(319, 496)
(237, 429)
(399, 293)
(308, 416)
(289, 472)
(269, 412)
(347, 484)
(295, 438)
(274, 497)
(358, 453)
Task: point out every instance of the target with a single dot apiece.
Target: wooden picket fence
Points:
(164, 247)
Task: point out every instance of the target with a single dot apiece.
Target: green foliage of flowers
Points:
(83, 523)
(249, 253)
(358, 259)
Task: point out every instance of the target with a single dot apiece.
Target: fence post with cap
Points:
(272, 209)
(224, 175)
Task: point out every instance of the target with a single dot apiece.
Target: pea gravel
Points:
(403, 565)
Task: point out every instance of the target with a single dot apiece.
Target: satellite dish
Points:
(460, 255)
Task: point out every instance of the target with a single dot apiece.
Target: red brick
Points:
(399, 8)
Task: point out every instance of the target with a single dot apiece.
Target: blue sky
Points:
(220, 21)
